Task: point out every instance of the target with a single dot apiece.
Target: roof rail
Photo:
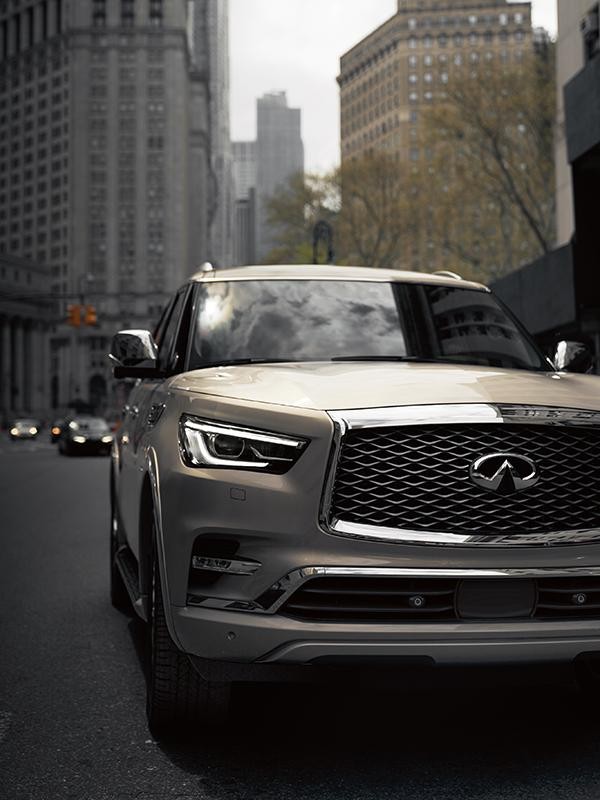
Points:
(445, 273)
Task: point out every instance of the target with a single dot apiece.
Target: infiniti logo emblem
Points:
(504, 473)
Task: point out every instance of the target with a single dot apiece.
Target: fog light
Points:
(229, 565)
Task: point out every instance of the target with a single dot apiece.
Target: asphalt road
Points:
(72, 721)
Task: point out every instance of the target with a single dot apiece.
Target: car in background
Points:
(85, 435)
(24, 429)
(56, 429)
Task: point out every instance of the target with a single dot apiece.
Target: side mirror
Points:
(134, 355)
(573, 357)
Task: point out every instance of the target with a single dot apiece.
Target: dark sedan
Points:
(24, 429)
(85, 435)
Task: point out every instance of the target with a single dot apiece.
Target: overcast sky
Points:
(295, 46)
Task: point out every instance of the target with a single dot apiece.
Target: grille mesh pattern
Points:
(418, 478)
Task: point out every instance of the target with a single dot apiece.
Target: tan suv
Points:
(324, 467)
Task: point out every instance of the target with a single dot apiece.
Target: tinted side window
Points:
(166, 360)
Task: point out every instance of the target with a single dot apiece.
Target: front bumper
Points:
(276, 522)
(242, 637)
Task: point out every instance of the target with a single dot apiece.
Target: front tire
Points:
(178, 698)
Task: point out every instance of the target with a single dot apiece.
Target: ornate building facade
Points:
(105, 164)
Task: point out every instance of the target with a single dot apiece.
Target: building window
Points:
(413, 77)
(412, 61)
(99, 13)
(412, 23)
(503, 19)
(156, 12)
(127, 13)
(519, 19)
(428, 60)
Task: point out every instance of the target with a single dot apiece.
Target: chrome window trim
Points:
(294, 580)
(448, 414)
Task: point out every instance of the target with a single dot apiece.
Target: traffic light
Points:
(90, 317)
(74, 315)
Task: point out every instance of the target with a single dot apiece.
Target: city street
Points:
(72, 721)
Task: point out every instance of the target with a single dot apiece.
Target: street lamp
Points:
(322, 231)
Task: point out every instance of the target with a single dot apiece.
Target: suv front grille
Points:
(398, 600)
(417, 478)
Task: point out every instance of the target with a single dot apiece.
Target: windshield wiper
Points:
(234, 362)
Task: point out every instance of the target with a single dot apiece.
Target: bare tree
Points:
(489, 184)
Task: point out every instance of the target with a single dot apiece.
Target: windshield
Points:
(95, 424)
(319, 320)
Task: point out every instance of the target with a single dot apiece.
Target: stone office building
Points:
(404, 65)
(104, 164)
(25, 316)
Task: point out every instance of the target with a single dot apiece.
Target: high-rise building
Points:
(104, 165)
(244, 182)
(405, 64)
(279, 155)
(209, 40)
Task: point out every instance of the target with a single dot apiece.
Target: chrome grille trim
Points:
(447, 414)
(554, 539)
(463, 413)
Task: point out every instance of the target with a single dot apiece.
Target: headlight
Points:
(73, 425)
(211, 444)
(106, 439)
(14, 431)
(32, 431)
(79, 439)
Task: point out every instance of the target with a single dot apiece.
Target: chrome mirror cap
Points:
(133, 348)
(573, 357)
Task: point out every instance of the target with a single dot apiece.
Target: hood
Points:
(338, 386)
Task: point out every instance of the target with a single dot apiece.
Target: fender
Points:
(153, 473)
